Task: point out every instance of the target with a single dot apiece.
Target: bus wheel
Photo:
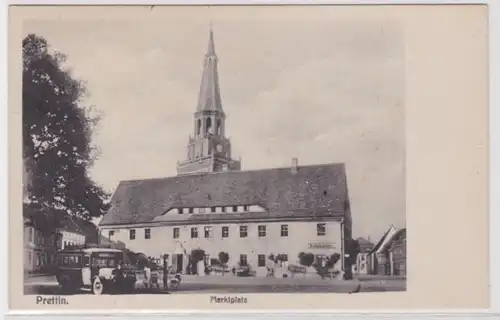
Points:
(97, 286)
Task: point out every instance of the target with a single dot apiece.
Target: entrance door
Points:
(86, 274)
(179, 263)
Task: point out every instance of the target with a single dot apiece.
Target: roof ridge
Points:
(235, 172)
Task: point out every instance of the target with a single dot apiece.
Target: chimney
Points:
(295, 165)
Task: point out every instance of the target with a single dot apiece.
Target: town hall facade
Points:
(215, 206)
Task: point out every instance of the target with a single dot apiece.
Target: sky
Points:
(320, 90)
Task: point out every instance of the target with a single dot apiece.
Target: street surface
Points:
(47, 285)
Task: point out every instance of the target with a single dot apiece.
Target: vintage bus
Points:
(101, 270)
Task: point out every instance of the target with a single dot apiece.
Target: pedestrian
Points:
(147, 275)
(323, 268)
(165, 273)
(119, 277)
(155, 281)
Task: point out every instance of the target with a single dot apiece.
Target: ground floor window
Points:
(320, 259)
(262, 260)
(243, 260)
(30, 258)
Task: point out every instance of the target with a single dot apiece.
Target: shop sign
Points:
(321, 246)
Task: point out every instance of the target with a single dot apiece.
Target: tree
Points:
(57, 129)
(224, 259)
(352, 249)
(332, 260)
(306, 259)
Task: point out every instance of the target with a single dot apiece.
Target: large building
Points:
(74, 231)
(214, 206)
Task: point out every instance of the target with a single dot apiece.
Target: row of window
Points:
(208, 231)
(212, 209)
(70, 243)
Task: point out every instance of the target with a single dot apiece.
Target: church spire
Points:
(209, 98)
(211, 45)
(209, 150)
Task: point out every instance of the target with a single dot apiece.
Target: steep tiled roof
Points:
(384, 239)
(399, 235)
(310, 191)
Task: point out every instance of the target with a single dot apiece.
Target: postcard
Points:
(248, 157)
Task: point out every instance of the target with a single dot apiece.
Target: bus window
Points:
(70, 260)
(86, 261)
(106, 260)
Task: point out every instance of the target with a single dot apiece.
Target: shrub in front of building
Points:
(196, 256)
(306, 259)
(323, 269)
(223, 259)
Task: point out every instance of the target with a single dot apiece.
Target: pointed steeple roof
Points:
(211, 45)
(209, 98)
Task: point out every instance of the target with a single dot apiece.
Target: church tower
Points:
(208, 149)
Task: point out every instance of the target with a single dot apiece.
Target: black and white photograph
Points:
(210, 154)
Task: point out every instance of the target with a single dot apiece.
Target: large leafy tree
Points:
(57, 129)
